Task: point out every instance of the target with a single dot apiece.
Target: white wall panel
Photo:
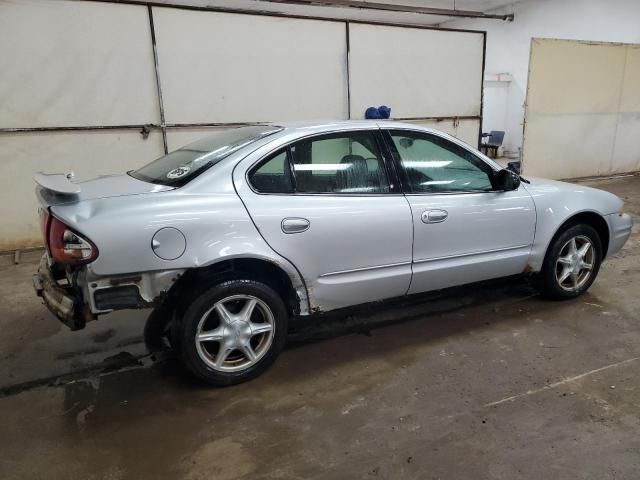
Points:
(466, 130)
(494, 106)
(67, 63)
(414, 71)
(177, 138)
(583, 109)
(87, 154)
(218, 67)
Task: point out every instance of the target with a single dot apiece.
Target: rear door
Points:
(330, 205)
(464, 230)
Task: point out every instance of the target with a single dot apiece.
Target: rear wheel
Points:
(572, 262)
(157, 329)
(232, 332)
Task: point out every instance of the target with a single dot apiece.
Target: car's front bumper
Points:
(620, 225)
(62, 300)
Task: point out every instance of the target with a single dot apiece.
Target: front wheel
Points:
(572, 262)
(233, 332)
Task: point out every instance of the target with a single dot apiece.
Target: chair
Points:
(491, 142)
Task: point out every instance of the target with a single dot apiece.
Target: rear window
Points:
(180, 166)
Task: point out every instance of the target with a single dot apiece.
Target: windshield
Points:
(180, 166)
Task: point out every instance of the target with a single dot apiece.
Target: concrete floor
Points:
(491, 383)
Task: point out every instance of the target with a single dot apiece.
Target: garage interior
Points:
(485, 381)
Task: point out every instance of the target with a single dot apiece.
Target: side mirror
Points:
(506, 180)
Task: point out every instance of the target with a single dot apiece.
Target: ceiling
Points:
(349, 13)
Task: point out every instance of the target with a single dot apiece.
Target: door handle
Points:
(295, 225)
(434, 216)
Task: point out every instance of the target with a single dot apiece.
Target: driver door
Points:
(464, 230)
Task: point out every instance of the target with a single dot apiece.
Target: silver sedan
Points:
(231, 236)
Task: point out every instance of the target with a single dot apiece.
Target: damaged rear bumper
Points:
(61, 300)
(79, 301)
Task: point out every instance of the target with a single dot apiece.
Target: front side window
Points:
(349, 162)
(435, 165)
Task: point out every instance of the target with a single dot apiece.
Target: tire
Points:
(232, 332)
(563, 276)
(157, 329)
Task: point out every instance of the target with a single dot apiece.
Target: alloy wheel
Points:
(235, 333)
(575, 263)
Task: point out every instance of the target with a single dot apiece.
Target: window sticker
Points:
(178, 172)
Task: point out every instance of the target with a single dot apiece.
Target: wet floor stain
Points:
(104, 336)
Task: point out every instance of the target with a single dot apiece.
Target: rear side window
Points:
(349, 162)
(273, 175)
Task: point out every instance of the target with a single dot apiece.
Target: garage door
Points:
(582, 115)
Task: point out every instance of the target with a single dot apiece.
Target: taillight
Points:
(67, 246)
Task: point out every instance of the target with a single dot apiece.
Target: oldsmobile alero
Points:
(231, 236)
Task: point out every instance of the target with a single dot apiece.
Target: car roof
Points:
(300, 128)
(292, 130)
(337, 124)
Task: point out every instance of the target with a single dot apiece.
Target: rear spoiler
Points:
(57, 182)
